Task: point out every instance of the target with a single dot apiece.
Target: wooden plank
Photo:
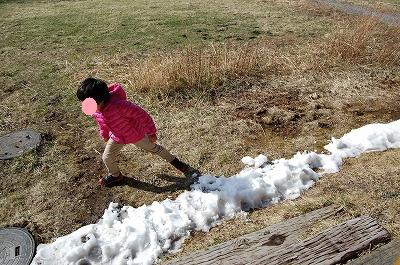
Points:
(332, 246)
(269, 238)
(385, 255)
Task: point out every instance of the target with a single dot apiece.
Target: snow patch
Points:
(128, 236)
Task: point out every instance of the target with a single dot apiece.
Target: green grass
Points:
(105, 26)
(129, 26)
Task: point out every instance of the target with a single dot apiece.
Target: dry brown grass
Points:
(203, 71)
(196, 72)
(390, 51)
(352, 45)
(368, 42)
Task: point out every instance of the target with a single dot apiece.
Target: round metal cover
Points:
(16, 143)
(17, 246)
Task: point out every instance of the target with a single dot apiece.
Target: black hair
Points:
(93, 88)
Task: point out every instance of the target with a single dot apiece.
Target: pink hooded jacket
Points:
(122, 120)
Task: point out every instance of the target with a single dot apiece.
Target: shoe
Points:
(110, 179)
(187, 170)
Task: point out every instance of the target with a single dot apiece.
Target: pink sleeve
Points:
(103, 130)
(140, 116)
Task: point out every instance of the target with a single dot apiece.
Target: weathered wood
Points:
(385, 255)
(269, 238)
(332, 246)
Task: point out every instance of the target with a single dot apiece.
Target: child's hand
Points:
(153, 138)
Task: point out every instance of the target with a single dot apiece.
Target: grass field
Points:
(223, 79)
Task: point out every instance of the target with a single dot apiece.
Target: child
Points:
(123, 122)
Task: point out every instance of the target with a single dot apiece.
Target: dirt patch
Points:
(282, 111)
(293, 111)
(287, 119)
(278, 110)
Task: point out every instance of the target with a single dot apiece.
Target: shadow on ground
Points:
(178, 184)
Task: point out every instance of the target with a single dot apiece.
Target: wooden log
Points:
(332, 246)
(269, 238)
(387, 254)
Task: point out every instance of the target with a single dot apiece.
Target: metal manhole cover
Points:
(16, 143)
(17, 246)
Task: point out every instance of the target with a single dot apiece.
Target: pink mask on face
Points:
(89, 106)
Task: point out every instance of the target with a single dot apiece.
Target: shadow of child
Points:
(179, 184)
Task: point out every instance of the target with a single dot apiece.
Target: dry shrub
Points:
(204, 71)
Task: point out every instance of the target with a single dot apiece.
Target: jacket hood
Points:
(117, 91)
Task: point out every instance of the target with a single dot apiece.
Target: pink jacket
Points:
(122, 120)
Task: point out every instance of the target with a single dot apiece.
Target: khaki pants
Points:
(112, 150)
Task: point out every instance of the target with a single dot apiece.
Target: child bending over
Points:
(122, 122)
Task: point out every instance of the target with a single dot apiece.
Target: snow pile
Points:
(127, 235)
(372, 137)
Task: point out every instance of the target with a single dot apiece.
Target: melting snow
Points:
(128, 236)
